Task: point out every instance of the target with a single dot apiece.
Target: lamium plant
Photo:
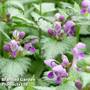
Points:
(44, 45)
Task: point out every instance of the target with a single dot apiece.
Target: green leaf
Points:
(85, 78)
(35, 15)
(37, 67)
(31, 84)
(87, 42)
(19, 88)
(53, 47)
(44, 88)
(45, 7)
(84, 64)
(15, 4)
(73, 74)
(2, 87)
(14, 67)
(70, 85)
(6, 36)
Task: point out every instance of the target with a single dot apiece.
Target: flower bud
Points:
(78, 84)
(85, 3)
(57, 16)
(65, 61)
(50, 31)
(32, 50)
(61, 17)
(6, 47)
(16, 34)
(21, 35)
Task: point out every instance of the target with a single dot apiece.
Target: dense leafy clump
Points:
(44, 45)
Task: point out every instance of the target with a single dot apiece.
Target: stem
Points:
(78, 33)
(40, 34)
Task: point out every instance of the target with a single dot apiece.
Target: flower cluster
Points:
(62, 27)
(85, 7)
(77, 51)
(58, 72)
(14, 47)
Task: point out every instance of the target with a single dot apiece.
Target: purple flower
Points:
(18, 35)
(58, 80)
(58, 27)
(78, 84)
(13, 45)
(57, 73)
(83, 11)
(29, 47)
(12, 48)
(65, 61)
(69, 28)
(34, 41)
(89, 9)
(50, 62)
(32, 50)
(85, 3)
(21, 35)
(81, 45)
(6, 47)
(85, 7)
(60, 71)
(77, 52)
(50, 74)
(50, 32)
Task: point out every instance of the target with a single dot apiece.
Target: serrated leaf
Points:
(70, 85)
(14, 68)
(53, 47)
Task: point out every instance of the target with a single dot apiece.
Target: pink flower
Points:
(77, 52)
(65, 61)
(50, 62)
(85, 3)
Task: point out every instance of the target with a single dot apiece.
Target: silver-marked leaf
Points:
(53, 47)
